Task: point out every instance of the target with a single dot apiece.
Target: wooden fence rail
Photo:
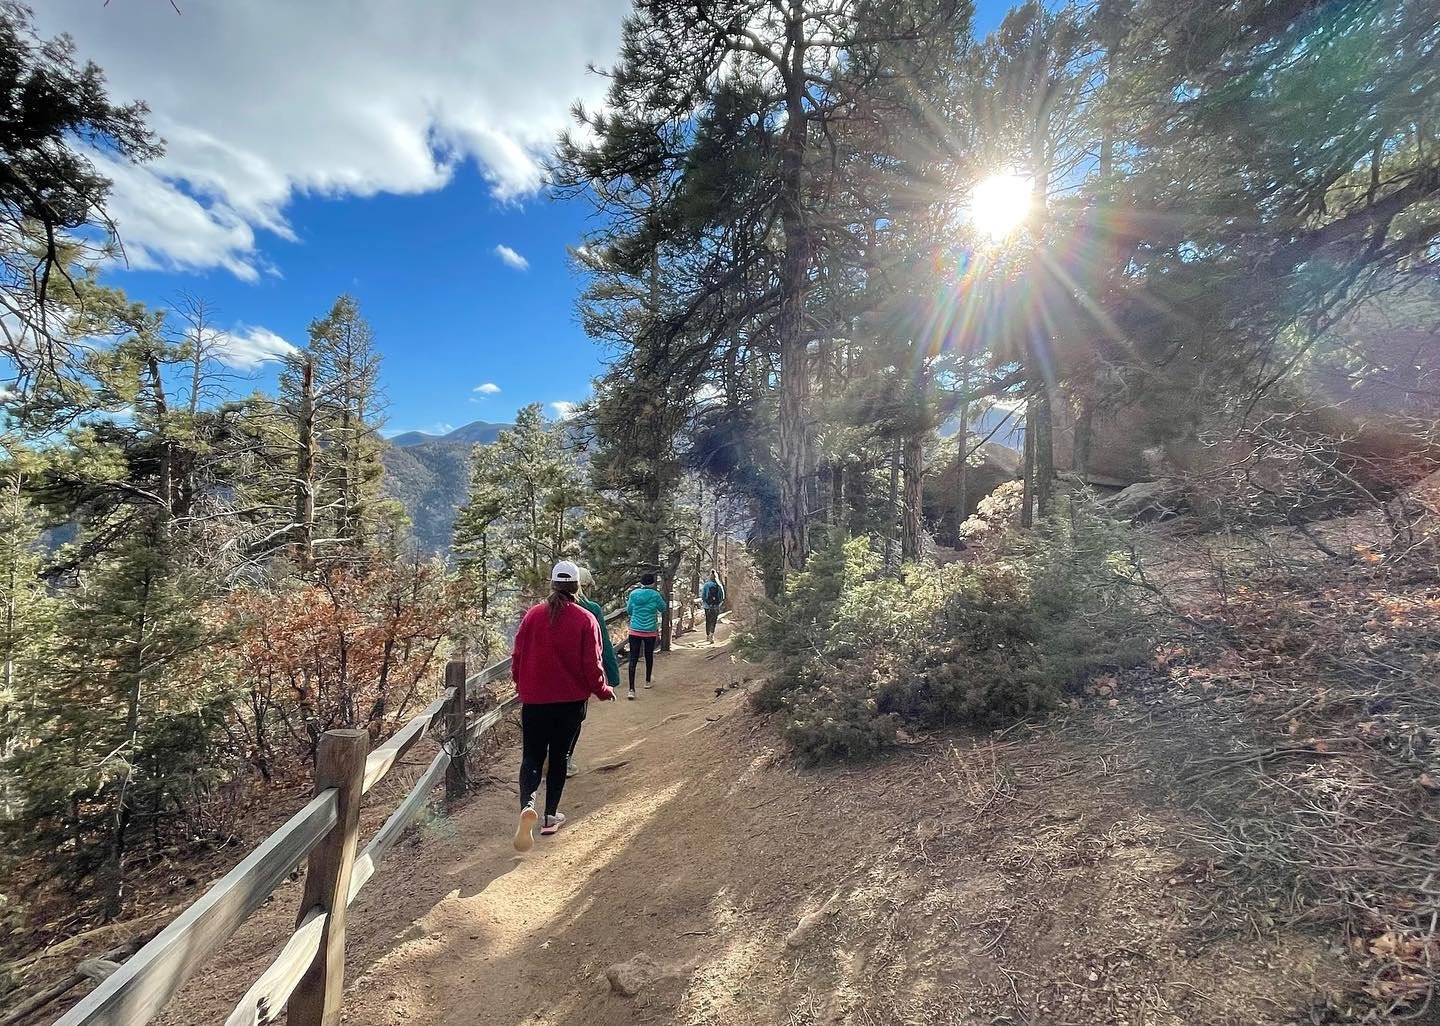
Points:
(307, 977)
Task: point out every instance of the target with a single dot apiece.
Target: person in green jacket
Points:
(607, 656)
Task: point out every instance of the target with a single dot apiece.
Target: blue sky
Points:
(387, 157)
(449, 314)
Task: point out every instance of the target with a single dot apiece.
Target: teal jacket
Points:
(645, 606)
(607, 650)
(712, 594)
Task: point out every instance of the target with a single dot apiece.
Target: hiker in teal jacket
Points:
(645, 606)
(712, 597)
(607, 655)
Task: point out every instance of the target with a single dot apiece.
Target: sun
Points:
(1000, 204)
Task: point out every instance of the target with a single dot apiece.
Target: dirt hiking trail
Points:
(526, 938)
(702, 878)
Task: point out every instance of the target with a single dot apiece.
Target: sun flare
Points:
(999, 204)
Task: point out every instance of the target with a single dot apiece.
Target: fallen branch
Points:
(1232, 761)
(94, 969)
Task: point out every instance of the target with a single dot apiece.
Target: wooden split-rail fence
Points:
(307, 978)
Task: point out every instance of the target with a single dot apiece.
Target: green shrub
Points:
(858, 653)
(838, 723)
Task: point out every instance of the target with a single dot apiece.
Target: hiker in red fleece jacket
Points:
(556, 667)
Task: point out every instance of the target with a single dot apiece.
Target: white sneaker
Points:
(552, 824)
(571, 768)
(525, 832)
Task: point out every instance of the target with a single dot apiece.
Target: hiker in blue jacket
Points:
(645, 606)
(712, 597)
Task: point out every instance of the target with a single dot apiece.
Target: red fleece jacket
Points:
(558, 662)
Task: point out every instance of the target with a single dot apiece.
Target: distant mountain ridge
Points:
(479, 431)
(430, 475)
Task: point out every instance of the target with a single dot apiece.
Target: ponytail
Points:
(562, 594)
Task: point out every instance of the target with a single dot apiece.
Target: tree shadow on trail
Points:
(653, 849)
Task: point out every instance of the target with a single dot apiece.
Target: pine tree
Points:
(52, 197)
(790, 72)
(479, 570)
(27, 622)
(343, 442)
(125, 712)
(526, 509)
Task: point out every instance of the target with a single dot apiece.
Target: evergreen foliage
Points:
(527, 509)
(863, 653)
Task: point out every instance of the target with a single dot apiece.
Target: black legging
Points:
(636, 644)
(570, 755)
(548, 730)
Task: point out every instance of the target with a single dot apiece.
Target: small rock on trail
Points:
(629, 978)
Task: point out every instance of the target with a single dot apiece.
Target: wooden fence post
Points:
(455, 778)
(341, 765)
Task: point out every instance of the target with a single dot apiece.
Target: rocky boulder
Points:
(1146, 501)
(642, 971)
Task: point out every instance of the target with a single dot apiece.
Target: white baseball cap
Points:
(565, 571)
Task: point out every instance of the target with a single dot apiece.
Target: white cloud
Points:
(489, 388)
(162, 227)
(511, 258)
(564, 410)
(246, 349)
(263, 100)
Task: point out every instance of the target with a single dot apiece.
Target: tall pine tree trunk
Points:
(794, 272)
(667, 590)
(306, 452)
(858, 496)
(197, 366)
(1084, 433)
(912, 519)
(1039, 444)
(114, 873)
(715, 538)
(694, 583)
(166, 487)
(962, 469)
(892, 514)
(1040, 359)
(1044, 451)
(1027, 494)
(346, 531)
(913, 507)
